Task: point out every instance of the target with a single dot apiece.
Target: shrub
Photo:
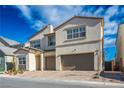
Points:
(15, 72)
(96, 76)
(20, 71)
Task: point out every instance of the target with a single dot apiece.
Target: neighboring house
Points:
(28, 59)
(44, 42)
(7, 42)
(6, 58)
(6, 53)
(120, 47)
(110, 65)
(77, 44)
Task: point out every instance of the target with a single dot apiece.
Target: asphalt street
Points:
(8, 82)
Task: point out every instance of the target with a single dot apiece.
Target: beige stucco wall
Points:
(27, 44)
(9, 58)
(43, 39)
(120, 43)
(91, 43)
(50, 53)
(93, 31)
(78, 49)
(32, 62)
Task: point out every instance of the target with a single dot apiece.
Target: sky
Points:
(20, 22)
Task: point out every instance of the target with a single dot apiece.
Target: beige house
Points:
(77, 44)
(120, 47)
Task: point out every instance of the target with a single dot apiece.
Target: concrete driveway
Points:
(115, 77)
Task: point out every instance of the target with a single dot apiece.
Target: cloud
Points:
(38, 24)
(99, 11)
(26, 13)
(110, 28)
(56, 14)
(109, 42)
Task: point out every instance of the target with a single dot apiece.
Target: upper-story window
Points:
(51, 40)
(35, 44)
(76, 32)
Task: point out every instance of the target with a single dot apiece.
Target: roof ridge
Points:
(9, 41)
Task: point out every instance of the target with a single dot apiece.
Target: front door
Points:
(38, 62)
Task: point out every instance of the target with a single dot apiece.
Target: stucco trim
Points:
(95, 41)
(76, 53)
(49, 34)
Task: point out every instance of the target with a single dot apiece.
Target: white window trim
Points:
(34, 43)
(1, 60)
(49, 41)
(22, 61)
(75, 33)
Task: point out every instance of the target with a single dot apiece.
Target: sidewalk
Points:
(38, 79)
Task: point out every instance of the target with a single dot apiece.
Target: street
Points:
(7, 82)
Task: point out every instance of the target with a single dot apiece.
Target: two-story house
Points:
(77, 44)
(120, 47)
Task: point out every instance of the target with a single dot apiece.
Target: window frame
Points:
(22, 60)
(51, 41)
(35, 44)
(75, 32)
(1, 60)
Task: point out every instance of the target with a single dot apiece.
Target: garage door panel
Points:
(50, 63)
(78, 62)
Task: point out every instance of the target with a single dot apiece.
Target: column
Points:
(58, 63)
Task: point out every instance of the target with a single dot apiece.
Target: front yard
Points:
(115, 77)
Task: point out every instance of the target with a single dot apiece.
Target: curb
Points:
(64, 81)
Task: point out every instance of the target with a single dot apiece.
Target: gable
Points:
(90, 21)
(21, 51)
(40, 34)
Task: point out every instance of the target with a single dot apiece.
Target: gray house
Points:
(6, 53)
(6, 58)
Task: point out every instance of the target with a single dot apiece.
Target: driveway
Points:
(116, 77)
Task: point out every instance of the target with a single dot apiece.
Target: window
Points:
(1, 60)
(22, 60)
(35, 44)
(76, 32)
(51, 40)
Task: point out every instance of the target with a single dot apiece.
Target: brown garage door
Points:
(78, 62)
(50, 63)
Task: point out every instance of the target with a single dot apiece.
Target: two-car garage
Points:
(78, 62)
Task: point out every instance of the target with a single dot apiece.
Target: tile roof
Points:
(9, 41)
(7, 50)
